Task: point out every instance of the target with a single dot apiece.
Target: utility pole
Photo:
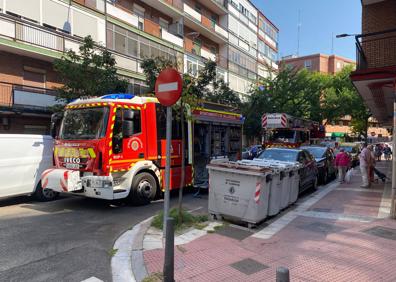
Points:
(393, 195)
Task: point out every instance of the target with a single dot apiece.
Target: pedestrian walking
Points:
(365, 160)
(378, 152)
(342, 162)
(387, 152)
(372, 163)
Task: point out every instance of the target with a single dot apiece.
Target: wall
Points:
(12, 68)
(376, 18)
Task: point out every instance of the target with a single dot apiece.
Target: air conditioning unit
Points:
(177, 29)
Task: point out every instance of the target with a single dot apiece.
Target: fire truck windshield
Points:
(84, 123)
(282, 135)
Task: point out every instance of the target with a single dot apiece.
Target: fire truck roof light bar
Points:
(118, 96)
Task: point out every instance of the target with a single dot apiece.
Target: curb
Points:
(127, 265)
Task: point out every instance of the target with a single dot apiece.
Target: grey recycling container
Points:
(238, 191)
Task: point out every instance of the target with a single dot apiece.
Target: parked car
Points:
(309, 172)
(251, 152)
(325, 161)
(353, 150)
(23, 159)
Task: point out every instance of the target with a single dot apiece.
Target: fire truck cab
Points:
(113, 147)
(283, 130)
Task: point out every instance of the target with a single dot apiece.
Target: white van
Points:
(23, 158)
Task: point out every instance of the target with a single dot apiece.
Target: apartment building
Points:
(33, 33)
(317, 63)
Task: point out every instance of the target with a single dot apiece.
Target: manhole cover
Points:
(383, 232)
(249, 266)
(321, 210)
(234, 233)
(321, 227)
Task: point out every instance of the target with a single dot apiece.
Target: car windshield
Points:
(279, 155)
(84, 124)
(317, 152)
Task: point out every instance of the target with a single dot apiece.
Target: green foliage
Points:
(312, 95)
(194, 88)
(188, 219)
(154, 277)
(91, 72)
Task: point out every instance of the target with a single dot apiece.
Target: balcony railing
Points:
(376, 50)
(178, 4)
(205, 21)
(22, 96)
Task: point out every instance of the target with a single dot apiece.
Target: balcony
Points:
(204, 25)
(22, 96)
(35, 35)
(376, 50)
(171, 38)
(93, 4)
(172, 8)
(376, 72)
(122, 15)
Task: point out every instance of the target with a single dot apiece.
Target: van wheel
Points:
(45, 195)
(143, 190)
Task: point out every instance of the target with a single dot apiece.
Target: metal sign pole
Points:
(167, 164)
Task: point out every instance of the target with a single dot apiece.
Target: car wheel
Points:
(143, 190)
(315, 184)
(45, 195)
(325, 176)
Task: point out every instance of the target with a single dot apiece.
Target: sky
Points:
(319, 20)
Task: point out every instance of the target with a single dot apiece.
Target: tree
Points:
(91, 72)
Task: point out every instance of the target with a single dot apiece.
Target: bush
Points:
(188, 219)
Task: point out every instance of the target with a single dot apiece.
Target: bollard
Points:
(282, 274)
(169, 251)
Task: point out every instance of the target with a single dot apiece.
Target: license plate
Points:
(72, 166)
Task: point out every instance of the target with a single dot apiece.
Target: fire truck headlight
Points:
(107, 184)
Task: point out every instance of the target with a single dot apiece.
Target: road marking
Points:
(283, 221)
(338, 216)
(359, 190)
(92, 279)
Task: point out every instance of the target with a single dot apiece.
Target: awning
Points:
(337, 134)
(218, 116)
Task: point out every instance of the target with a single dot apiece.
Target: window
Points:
(34, 77)
(118, 124)
(213, 19)
(164, 24)
(308, 64)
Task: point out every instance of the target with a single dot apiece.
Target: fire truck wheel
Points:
(45, 195)
(144, 189)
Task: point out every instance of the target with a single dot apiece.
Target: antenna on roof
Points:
(298, 32)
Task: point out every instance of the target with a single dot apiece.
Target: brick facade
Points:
(379, 49)
(319, 63)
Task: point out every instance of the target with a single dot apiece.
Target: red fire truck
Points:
(283, 130)
(113, 147)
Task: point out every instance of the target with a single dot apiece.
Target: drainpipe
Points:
(393, 204)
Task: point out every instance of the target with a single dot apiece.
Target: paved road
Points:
(68, 239)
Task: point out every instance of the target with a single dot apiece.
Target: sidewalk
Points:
(344, 236)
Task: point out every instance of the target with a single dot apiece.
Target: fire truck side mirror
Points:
(55, 122)
(127, 128)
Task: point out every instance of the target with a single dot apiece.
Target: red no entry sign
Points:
(168, 87)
